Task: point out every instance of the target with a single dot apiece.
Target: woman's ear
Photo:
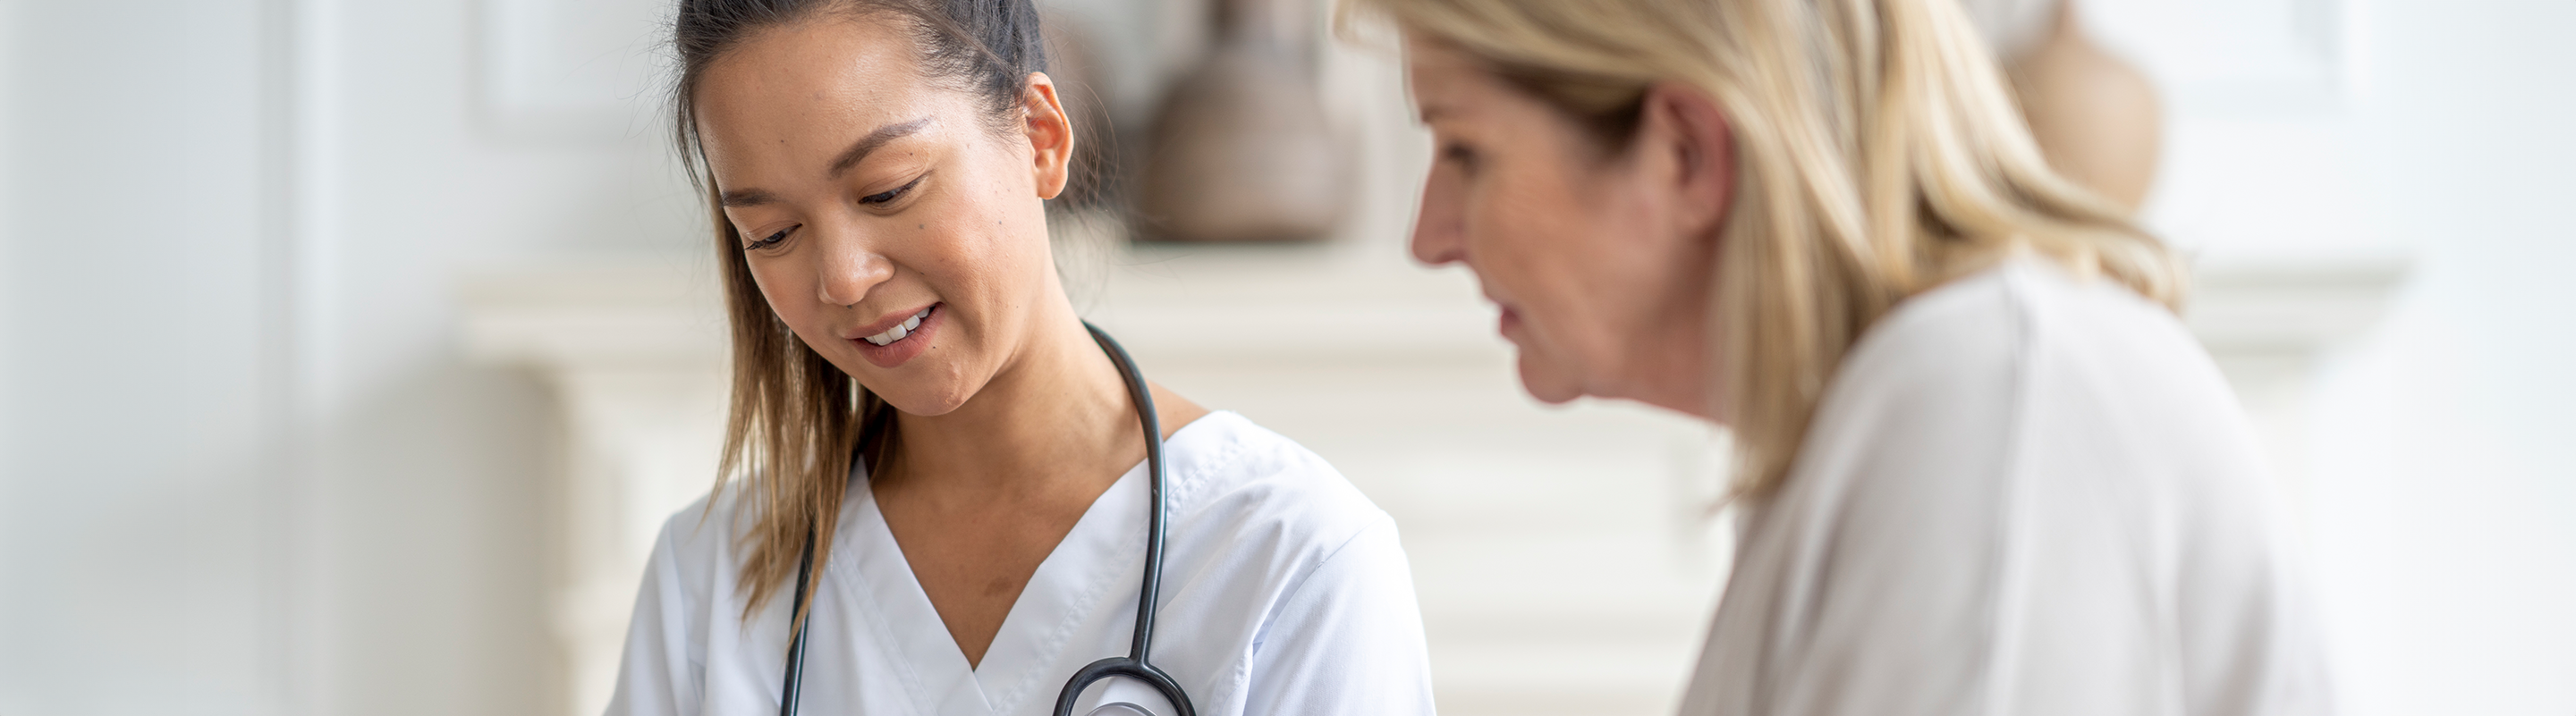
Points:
(1688, 123)
(1050, 134)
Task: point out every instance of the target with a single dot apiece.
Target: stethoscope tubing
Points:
(1135, 664)
(787, 698)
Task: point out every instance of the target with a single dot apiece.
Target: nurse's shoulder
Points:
(687, 589)
(1295, 585)
(695, 556)
(1261, 495)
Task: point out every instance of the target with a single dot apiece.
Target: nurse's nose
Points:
(848, 268)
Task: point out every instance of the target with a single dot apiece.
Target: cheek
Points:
(1541, 247)
(979, 246)
(1653, 274)
(988, 245)
(1525, 238)
(777, 286)
(789, 290)
(1519, 230)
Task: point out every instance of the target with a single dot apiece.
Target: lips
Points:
(899, 330)
(1507, 318)
(897, 340)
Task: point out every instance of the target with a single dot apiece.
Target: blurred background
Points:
(349, 351)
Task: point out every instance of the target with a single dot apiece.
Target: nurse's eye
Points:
(889, 195)
(773, 239)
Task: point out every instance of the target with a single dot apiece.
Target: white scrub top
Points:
(1284, 592)
(2023, 493)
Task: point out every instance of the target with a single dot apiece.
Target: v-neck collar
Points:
(1099, 558)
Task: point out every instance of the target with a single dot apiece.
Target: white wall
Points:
(243, 468)
(135, 397)
(432, 168)
(2441, 474)
(2449, 543)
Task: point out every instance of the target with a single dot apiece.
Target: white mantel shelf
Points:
(1483, 482)
(2289, 305)
(1228, 302)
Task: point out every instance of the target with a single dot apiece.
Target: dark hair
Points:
(988, 46)
(795, 419)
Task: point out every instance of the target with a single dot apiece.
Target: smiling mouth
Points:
(899, 330)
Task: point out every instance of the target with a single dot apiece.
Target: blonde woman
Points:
(1984, 468)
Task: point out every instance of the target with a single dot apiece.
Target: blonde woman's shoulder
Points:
(2027, 309)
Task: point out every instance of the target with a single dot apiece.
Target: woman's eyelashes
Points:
(773, 239)
(890, 195)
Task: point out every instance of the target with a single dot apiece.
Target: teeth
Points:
(899, 331)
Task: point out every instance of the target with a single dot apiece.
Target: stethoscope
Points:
(1133, 665)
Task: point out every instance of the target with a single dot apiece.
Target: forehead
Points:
(789, 92)
(1445, 82)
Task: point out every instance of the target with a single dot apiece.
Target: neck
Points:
(1681, 381)
(1675, 366)
(1056, 418)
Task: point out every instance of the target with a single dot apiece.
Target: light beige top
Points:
(2023, 493)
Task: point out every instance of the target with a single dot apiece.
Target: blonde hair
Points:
(1878, 155)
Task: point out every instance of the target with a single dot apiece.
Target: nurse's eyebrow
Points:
(746, 197)
(859, 150)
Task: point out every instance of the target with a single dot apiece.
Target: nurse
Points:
(913, 390)
(1983, 467)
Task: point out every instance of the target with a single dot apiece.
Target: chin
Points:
(923, 400)
(1548, 383)
(923, 395)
